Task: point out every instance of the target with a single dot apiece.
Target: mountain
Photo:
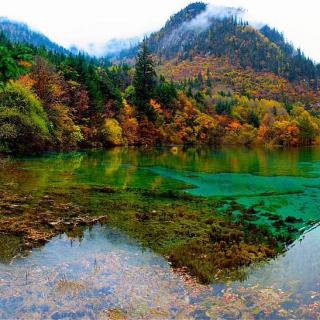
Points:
(20, 32)
(202, 30)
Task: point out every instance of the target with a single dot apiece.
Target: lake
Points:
(105, 273)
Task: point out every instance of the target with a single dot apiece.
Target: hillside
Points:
(20, 33)
(205, 78)
(207, 31)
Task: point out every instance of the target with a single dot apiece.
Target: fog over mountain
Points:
(113, 46)
(91, 26)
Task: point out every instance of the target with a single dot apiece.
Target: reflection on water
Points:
(107, 271)
(125, 167)
(104, 271)
(285, 182)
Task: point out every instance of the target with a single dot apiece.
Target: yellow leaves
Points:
(112, 132)
(205, 121)
(224, 74)
(129, 124)
(67, 133)
(185, 103)
(286, 133)
(280, 132)
(127, 109)
(73, 84)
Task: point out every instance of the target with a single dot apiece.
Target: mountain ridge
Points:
(225, 33)
(20, 32)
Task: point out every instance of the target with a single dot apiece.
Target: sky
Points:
(85, 22)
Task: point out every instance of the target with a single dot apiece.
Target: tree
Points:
(111, 133)
(14, 60)
(253, 119)
(24, 126)
(49, 85)
(308, 126)
(166, 93)
(144, 80)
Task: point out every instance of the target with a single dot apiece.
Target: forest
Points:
(52, 100)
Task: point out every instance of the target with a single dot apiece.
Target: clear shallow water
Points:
(106, 270)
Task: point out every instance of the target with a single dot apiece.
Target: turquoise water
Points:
(107, 272)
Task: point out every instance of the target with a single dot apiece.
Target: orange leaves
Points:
(281, 132)
(223, 74)
(26, 80)
(263, 132)
(129, 124)
(149, 134)
(127, 110)
(234, 125)
(49, 85)
(25, 64)
(130, 129)
(156, 106)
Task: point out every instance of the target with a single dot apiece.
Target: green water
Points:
(285, 182)
(86, 277)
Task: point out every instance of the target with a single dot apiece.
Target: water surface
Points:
(105, 270)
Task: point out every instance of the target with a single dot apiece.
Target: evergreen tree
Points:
(166, 93)
(11, 60)
(144, 80)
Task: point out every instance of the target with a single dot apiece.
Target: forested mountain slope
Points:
(20, 33)
(203, 30)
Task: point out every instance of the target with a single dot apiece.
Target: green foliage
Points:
(166, 93)
(65, 133)
(309, 126)
(253, 119)
(12, 61)
(144, 80)
(24, 126)
(224, 105)
(129, 94)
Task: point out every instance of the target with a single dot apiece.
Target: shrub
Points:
(24, 126)
(111, 133)
(66, 134)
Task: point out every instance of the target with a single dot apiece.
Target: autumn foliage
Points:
(58, 102)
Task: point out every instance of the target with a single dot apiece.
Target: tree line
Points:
(54, 101)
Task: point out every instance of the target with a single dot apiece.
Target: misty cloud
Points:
(113, 46)
(81, 22)
(202, 21)
(200, 24)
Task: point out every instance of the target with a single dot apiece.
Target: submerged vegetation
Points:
(190, 231)
(193, 233)
(208, 237)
